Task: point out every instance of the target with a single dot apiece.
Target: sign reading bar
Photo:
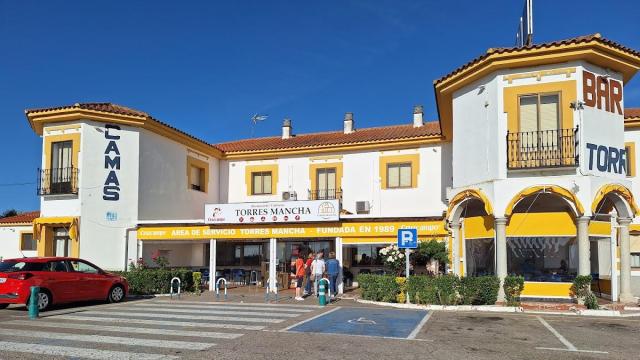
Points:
(272, 212)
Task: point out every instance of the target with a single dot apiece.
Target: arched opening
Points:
(472, 245)
(613, 204)
(542, 240)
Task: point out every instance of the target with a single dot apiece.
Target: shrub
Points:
(480, 290)
(378, 287)
(513, 286)
(421, 290)
(402, 294)
(446, 289)
(581, 289)
(151, 281)
(393, 258)
(197, 282)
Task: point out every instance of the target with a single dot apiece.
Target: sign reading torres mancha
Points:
(272, 212)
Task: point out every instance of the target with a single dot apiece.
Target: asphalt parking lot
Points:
(165, 329)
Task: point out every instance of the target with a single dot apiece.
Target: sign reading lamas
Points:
(272, 212)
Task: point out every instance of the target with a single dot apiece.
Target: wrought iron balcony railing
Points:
(59, 181)
(542, 149)
(325, 194)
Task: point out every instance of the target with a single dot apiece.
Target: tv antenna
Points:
(524, 35)
(255, 119)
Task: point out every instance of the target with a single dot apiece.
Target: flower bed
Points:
(151, 281)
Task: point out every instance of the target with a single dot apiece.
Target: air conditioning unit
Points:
(362, 207)
(289, 195)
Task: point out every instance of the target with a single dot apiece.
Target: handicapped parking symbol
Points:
(362, 321)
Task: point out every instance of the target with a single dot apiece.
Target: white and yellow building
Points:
(530, 170)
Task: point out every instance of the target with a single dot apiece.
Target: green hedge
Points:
(149, 281)
(438, 290)
(378, 287)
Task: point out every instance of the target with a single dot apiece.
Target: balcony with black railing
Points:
(59, 181)
(325, 194)
(542, 149)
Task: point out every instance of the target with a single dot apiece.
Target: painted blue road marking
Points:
(365, 321)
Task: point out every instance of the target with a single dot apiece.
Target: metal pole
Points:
(212, 263)
(339, 282)
(407, 252)
(273, 262)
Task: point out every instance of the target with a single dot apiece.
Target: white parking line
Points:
(169, 309)
(126, 329)
(74, 352)
(220, 307)
(563, 340)
(170, 344)
(415, 331)
(186, 317)
(116, 320)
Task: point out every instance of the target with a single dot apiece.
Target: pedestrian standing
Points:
(333, 270)
(307, 274)
(317, 270)
(299, 277)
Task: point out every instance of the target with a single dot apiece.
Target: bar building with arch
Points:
(529, 169)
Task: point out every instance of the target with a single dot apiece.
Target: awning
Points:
(69, 222)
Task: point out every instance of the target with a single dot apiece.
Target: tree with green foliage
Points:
(8, 213)
(434, 253)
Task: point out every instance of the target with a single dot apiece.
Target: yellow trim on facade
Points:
(75, 147)
(413, 159)
(618, 189)
(473, 193)
(540, 74)
(50, 129)
(43, 231)
(386, 240)
(313, 174)
(20, 234)
(554, 189)
(631, 155)
(547, 289)
(250, 169)
(567, 90)
(541, 224)
(479, 227)
(427, 229)
(328, 157)
(599, 228)
(204, 167)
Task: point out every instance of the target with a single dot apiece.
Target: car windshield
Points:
(12, 266)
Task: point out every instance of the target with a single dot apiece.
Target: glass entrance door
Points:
(62, 242)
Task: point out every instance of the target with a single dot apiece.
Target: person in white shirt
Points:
(317, 270)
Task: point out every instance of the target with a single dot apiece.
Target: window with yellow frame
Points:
(197, 174)
(630, 148)
(399, 171)
(27, 242)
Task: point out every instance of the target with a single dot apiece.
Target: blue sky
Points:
(206, 67)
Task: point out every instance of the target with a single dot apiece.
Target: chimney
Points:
(418, 114)
(286, 128)
(348, 123)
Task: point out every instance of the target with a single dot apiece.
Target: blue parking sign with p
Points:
(407, 238)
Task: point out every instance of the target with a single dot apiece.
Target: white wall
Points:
(164, 192)
(10, 242)
(360, 182)
(180, 254)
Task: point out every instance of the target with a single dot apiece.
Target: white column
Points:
(584, 262)
(273, 265)
(625, 261)
(213, 255)
(501, 254)
(456, 231)
(339, 258)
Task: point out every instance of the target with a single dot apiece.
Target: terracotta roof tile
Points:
(631, 113)
(24, 218)
(112, 109)
(575, 40)
(366, 135)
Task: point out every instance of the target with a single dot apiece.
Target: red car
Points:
(61, 280)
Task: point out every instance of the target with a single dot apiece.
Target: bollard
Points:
(322, 295)
(33, 303)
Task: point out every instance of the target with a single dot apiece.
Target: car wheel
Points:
(3, 306)
(44, 300)
(116, 294)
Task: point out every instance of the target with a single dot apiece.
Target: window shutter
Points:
(549, 119)
(322, 180)
(405, 175)
(257, 183)
(393, 176)
(528, 113)
(331, 179)
(266, 185)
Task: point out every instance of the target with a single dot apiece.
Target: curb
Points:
(497, 309)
